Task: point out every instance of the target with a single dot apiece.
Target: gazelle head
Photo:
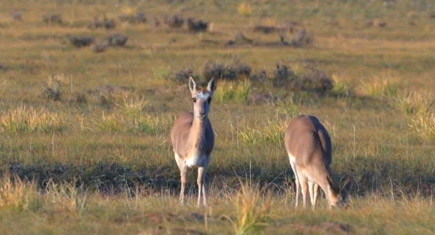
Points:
(341, 199)
(201, 98)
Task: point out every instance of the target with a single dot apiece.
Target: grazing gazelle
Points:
(309, 148)
(193, 138)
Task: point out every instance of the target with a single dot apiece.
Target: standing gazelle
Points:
(193, 138)
(309, 148)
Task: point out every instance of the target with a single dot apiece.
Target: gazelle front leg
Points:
(183, 171)
(201, 186)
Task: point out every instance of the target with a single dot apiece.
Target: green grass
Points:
(99, 160)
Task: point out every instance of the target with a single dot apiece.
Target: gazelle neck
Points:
(333, 192)
(197, 132)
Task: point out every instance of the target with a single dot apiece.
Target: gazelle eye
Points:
(194, 100)
(209, 100)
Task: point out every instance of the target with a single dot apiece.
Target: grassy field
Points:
(84, 136)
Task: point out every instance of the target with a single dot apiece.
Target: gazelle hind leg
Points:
(183, 177)
(297, 184)
(316, 193)
(303, 180)
(311, 191)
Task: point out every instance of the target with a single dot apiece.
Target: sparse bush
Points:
(104, 23)
(226, 72)
(174, 21)
(259, 77)
(302, 38)
(317, 81)
(182, 76)
(283, 76)
(197, 26)
(133, 19)
(100, 47)
(80, 98)
(117, 39)
(52, 18)
(230, 91)
(23, 119)
(17, 15)
(53, 90)
(81, 41)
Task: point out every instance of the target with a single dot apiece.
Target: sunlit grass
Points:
(229, 91)
(28, 119)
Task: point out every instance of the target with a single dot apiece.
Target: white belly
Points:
(196, 160)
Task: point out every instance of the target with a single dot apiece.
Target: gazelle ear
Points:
(212, 85)
(192, 85)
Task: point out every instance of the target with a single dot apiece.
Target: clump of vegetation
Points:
(104, 23)
(17, 15)
(25, 119)
(197, 26)
(266, 132)
(420, 113)
(383, 88)
(413, 103)
(302, 38)
(229, 72)
(151, 124)
(52, 18)
(18, 195)
(253, 209)
(283, 76)
(182, 76)
(233, 91)
(174, 21)
(137, 18)
(81, 41)
(110, 123)
(245, 9)
(340, 88)
(317, 81)
(53, 89)
(133, 105)
(424, 125)
(117, 39)
(100, 47)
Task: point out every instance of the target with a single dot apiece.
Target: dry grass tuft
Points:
(244, 9)
(25, 119)
(18, 195)
(267, 132)
(229, 91)
(253, 209)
